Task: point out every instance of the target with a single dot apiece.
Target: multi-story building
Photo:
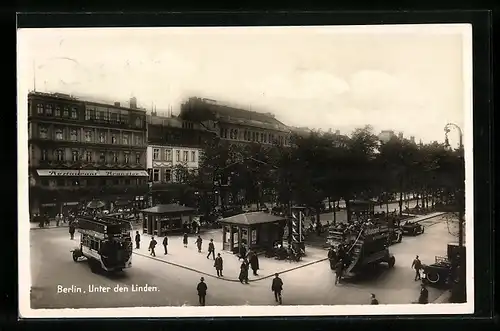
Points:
(174, 151)
(236, 125)
(81, 150)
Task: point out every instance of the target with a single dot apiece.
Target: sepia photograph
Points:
(245, 171)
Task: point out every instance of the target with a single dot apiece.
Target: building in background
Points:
(174, 152)
(234, 124)
(386, 135)
(81, 150)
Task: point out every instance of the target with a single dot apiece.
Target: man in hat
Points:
(373, 299)
(202, 291)
(199, 241)
(218, 264)
(277, 287)
(152, 245)
(211, 249)
(137, 240)
(417, 265)
(165, 244)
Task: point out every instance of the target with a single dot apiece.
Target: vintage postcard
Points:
(176, 172)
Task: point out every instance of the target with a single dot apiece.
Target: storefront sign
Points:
(92, 173)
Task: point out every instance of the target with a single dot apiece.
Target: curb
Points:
(224, 278)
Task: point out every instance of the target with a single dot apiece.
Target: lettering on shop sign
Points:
(92, 173)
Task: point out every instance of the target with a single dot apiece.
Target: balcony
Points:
(52, 164)
(78, 143)
(115, 124)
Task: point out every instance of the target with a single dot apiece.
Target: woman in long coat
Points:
(254, 262)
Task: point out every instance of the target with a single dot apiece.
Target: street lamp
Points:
(461, 209)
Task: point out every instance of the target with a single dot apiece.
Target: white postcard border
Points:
(26, 311)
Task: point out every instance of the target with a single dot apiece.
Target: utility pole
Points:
(458, 265)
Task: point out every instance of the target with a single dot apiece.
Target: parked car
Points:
(412, 228)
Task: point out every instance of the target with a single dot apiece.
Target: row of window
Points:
(248, 135)
(56, 110)
(114, 117)
(168, 175)
(91, 156)
(72, 135)
(167, 155)
(82, 182)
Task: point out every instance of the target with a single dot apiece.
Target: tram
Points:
(105, 242)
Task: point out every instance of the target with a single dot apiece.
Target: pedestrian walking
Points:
(339, 268)
(243, 272)
(417, 265)
(254, 263)
(58, 219)
(276, 288)
(152, 245)
(218, 264)
(332, 257)
(199, 241)
(424, 295)
(373, 299)
(137, 240)
(165, 244)
(202, 291)
(185, 240)
(211, 249)
(72, 230)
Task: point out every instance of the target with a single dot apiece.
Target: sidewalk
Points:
(52, 225)
(189, 258)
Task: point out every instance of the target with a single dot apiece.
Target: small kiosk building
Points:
(256, 230)
(164, 219)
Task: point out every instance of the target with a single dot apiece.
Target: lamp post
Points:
(458, 293)
(461, 192)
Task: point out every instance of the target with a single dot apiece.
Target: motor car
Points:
(412, 228)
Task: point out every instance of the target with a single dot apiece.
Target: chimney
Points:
(117, 104)
(133, 103)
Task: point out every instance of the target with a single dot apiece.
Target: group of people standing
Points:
(250, 261)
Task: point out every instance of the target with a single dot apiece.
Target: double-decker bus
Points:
(105, 242)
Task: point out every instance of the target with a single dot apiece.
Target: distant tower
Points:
(133, 103)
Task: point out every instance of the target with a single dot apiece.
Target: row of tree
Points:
(326, 166)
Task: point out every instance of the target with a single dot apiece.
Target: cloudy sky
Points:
(409, 80)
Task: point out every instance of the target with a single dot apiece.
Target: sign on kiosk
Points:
(92, 173)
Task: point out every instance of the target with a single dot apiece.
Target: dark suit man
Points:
(211, 249)
(277, 287)
(202, 291)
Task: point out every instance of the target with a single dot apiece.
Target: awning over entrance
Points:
(252, 218)
(92, 173)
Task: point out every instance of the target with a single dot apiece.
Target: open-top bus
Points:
(105, 242)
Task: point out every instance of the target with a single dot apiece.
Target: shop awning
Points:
(169, 208)
(252, 218)
(91, 173)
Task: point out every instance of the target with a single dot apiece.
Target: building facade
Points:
(82, 150)
(236, 125)
(175, 149)
(386, 135)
